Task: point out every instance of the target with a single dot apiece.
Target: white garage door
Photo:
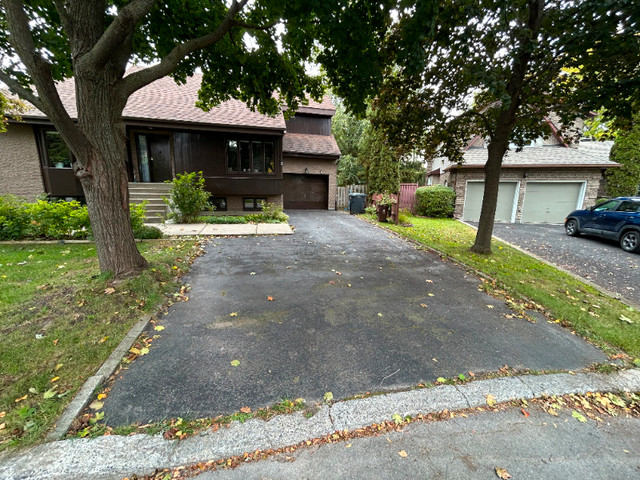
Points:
(507, 195)
(550, 202)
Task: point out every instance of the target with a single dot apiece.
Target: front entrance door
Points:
(154, 157)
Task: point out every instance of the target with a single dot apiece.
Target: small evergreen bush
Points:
(188, 197)
(436, 201)
(147, 232)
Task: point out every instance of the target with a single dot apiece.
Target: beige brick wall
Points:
(592, 177)
(20, 163)
(315, 166)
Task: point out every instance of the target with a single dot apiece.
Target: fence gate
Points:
(343, 194)
(408, 196)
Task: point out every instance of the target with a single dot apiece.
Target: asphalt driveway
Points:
(600, 261)
(341, 306)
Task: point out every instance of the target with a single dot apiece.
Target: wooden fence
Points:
(408, 196)
(343, 194)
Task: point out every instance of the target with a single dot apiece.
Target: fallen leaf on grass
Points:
(235, 363)
(49, 393)
(502, 473)
(58, 367)
(491, 400)
(55, 379)
(2, 426)
(403, 454)
(3, 414)
(626, 319)
(109, 290)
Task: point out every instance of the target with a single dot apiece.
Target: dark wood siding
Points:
(311, 124)
(199, 152)
(306, 191)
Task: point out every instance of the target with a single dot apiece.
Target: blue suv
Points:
(616, 219)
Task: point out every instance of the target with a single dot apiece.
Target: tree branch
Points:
(64, 14)
(48, 100)
(141, 78)
(21, 91)
(487, 123)
(120, 29)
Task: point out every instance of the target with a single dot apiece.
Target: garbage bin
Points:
(357, 201)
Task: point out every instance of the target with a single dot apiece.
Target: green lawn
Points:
(521, 279)
(60, 320)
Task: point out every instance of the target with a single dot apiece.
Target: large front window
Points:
(244, 156)
(58, 154)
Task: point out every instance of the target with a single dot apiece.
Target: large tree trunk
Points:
(492, 168)
(102, 172)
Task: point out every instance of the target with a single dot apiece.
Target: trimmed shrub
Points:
(436, 201)
(188, 197)
(14, 219)
(224, 219)
(147, 232)
(53, 220)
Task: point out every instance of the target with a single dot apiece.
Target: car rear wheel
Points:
(571, 227)
(630, 241)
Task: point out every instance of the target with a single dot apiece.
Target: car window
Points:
(628, 206)
(606, 206)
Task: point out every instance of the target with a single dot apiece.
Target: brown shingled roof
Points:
(166, 101)
(307, 144)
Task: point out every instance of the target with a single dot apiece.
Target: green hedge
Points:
(436, 201)
(55, 220)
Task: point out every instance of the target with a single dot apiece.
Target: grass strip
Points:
(60, 320)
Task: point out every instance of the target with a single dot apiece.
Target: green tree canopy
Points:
(497, 68)
(625, 181)
(247, 50)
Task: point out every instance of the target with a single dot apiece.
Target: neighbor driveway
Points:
(341, 306)
(600, 261)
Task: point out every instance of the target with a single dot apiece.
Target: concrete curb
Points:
(84, 395)
(113, 457)
(602, 290)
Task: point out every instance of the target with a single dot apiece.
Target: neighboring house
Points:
(245, 156)
(540, 184)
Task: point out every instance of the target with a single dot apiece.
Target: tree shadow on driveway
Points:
(354, 309)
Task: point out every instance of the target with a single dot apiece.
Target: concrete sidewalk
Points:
(175, 229)
(114, 457)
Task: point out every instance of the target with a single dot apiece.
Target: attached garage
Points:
(304, 191)
(550, 202)
(507, 201)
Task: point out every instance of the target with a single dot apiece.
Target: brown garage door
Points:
(306, 191)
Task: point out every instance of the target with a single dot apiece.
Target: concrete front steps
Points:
(153, 193)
